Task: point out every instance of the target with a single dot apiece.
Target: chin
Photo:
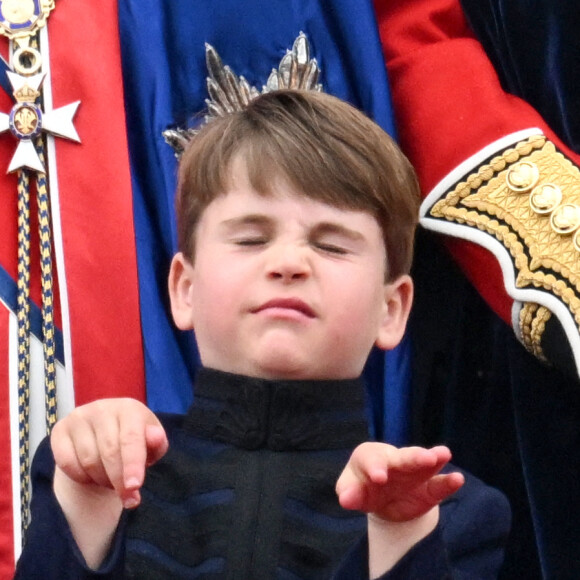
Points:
(281, 373)
(282, 367)
(293, 370)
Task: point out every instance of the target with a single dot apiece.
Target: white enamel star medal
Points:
(20, 20)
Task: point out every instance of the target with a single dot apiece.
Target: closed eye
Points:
(248, 231)
(331, 249)
(335, 239)
(250, 242)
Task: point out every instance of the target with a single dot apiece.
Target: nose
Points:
(288, 262)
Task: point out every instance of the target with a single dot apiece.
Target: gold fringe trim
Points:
(533, 319)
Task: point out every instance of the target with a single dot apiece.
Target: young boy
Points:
(295, 223)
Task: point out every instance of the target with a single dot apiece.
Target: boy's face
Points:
(287, 287)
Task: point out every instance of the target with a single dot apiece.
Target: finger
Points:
(375, 462)
(366, 467)
(118, 438)
(157, 444)
(371, 461)
(419, 458)
(133, 452)
(416, 466)
(352, 497)
(131, 499)
(143, 443)
(106, 429)
(88, 453)
(442, 486)
(65, 456)
(442, 453)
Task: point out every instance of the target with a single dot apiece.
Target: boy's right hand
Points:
(108, 444)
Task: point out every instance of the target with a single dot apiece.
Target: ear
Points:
(396, 309)
(181, 291)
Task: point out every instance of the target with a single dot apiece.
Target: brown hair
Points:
(322, 146)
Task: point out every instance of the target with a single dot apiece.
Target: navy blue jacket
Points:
(246, 491)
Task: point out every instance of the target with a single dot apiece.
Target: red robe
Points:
(450, 108)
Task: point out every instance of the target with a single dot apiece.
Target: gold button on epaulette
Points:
(545, 198)
(565, 219)
(523, 176)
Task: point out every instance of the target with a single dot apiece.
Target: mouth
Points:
(286, 305)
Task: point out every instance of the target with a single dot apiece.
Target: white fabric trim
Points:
(516, 309)
(14, 441)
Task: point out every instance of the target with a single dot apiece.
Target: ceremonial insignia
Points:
(19, 19)
(26, 120)
(20, 22)
(523, 205)
(229, 93)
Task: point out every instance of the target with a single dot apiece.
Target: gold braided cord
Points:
(23, 318)
(48, 341)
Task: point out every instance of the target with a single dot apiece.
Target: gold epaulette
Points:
(527, 198)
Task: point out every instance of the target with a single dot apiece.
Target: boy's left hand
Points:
(396, 485)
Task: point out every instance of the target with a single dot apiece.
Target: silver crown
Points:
(229, 93)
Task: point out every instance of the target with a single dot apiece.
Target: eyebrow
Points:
(324, 228)
(248, 220)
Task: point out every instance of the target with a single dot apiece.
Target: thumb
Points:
(156, 442)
